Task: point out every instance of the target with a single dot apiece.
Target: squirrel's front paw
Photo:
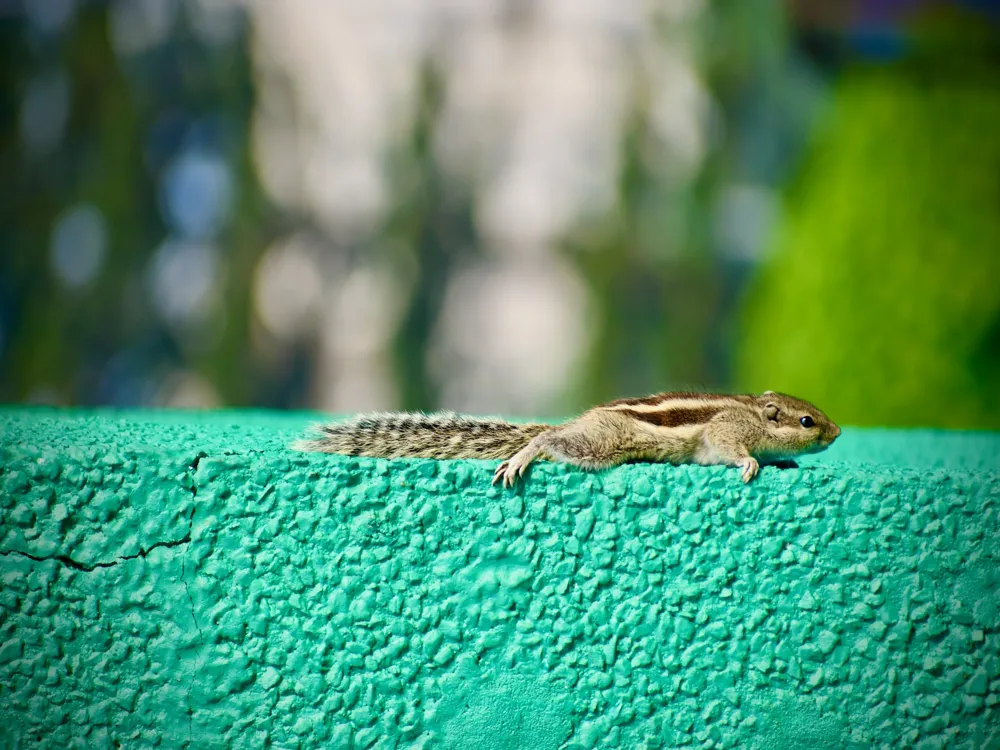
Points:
(509, 471)
(750, 469)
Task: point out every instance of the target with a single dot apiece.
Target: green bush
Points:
(881, 300)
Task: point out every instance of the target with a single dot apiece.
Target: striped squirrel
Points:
(702, 428)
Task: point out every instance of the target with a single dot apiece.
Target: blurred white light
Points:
(509, 338)
(197, 194)
(44, 111)
(364, 312)
(184, 278)
(287, 287)
(137, 25)
(533, 113)
(608, 15)
(337, 87)
(678, 11)
(184, 389)
(680, 111)
(79, 244)
(531, 125)
(521, 210)
(49, 16)
(345, 192)
(743, 218)
(535, 119)
(359, 385)
(276, 155)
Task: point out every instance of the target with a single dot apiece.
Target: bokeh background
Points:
(501, 206)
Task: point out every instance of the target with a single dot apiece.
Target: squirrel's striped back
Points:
(416, 435)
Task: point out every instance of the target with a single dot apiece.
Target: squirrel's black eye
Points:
(807, 421)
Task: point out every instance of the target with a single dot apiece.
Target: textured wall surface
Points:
(184, 580)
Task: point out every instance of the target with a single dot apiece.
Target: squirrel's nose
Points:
(836, 432)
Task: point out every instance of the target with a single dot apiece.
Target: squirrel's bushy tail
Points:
(414, 435)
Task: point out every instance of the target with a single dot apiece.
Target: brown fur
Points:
(674, 417)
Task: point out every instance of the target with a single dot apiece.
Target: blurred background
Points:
(501, 206)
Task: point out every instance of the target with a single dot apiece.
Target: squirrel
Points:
(702, 428)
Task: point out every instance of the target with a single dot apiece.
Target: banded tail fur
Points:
(414, 435)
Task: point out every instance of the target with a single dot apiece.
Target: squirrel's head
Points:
(795, 426)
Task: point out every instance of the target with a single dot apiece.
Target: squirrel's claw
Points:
(750, 468)
(509, 471)
(501, 473)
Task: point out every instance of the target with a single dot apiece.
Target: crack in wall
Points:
(187, 589)
(194, 496)
(69, 562)
(188, 481)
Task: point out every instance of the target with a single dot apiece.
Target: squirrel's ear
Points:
(771, 412)
(768, 393)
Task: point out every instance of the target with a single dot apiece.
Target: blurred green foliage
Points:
(881, 301)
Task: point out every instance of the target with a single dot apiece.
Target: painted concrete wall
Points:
(183, 580)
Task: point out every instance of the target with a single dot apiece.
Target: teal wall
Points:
(184, 580)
